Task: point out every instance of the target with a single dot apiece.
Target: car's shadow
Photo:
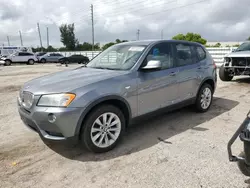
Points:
(150, 132)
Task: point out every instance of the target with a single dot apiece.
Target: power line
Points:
(162, 11)
(134, 8)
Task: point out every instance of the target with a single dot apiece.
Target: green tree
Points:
(248, 38)
(217, 44)
(117, 41)
(108, 45)
(62, 49)
(68, 36)
(194, 37)
(38, 49)
(87, 46)
(51, 49)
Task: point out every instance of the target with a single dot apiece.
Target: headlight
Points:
(26, 99)
(56, 100)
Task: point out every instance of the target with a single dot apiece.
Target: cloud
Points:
(215, 20)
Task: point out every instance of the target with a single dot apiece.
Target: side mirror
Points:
(152, 64)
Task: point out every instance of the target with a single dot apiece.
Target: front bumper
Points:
(2, 62)
(63, 128)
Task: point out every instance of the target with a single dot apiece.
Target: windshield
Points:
(118, 57)
(244, 47)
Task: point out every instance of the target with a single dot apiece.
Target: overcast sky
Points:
(215, 20)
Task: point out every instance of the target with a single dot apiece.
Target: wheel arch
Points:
(8, 60)
(209, 81)
(115, 100)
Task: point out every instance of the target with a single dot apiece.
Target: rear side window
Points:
(200, 53)
(184, 54)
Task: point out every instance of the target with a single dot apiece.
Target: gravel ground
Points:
(179, 149)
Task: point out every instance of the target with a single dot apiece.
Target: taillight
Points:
(214, 64)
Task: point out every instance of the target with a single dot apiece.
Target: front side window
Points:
(118, 57)
(161, 52)
(184, 54)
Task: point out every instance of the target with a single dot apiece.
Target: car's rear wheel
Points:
(103, 128)
(31, 62)
(7, 62)
(204, 98)
(244, 168)
(224, 75)
(43, 60)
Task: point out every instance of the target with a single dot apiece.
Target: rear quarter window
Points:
(200, 53)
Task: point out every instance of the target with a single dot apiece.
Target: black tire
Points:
(224, 76)
(31, 62)
(7, 62)
(43, 60)
(88, 123)
(244, 168)
(198, 103)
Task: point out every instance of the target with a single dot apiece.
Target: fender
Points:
(97, 102)
(203, 81)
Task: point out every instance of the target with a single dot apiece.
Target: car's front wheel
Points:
(7, 62)
(224, 75)
(103, 128)
(204, 98)
(43, 60)
(31, 62)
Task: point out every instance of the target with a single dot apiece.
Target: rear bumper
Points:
(63, 128)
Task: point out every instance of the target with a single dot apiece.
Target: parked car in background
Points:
(96, 103)
(50, 57)
(236, 63)
(40, 54)
(19, 57)
(74, 59)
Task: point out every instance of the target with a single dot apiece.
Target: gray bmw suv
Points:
(95, 104)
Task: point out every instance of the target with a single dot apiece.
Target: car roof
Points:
(149, 42)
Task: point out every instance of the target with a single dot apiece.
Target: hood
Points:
(239, 54)
(67, 81)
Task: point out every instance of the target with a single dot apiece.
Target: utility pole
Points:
(162, 34)
(47, 37)
(93, 31)
(21, 38)
(8, 39)
(38, 27)
(138, 34)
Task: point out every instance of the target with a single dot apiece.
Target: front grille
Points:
(241, 61)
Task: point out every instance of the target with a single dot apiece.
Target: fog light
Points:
(51, 118)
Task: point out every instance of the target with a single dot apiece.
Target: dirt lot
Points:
(179, 149)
